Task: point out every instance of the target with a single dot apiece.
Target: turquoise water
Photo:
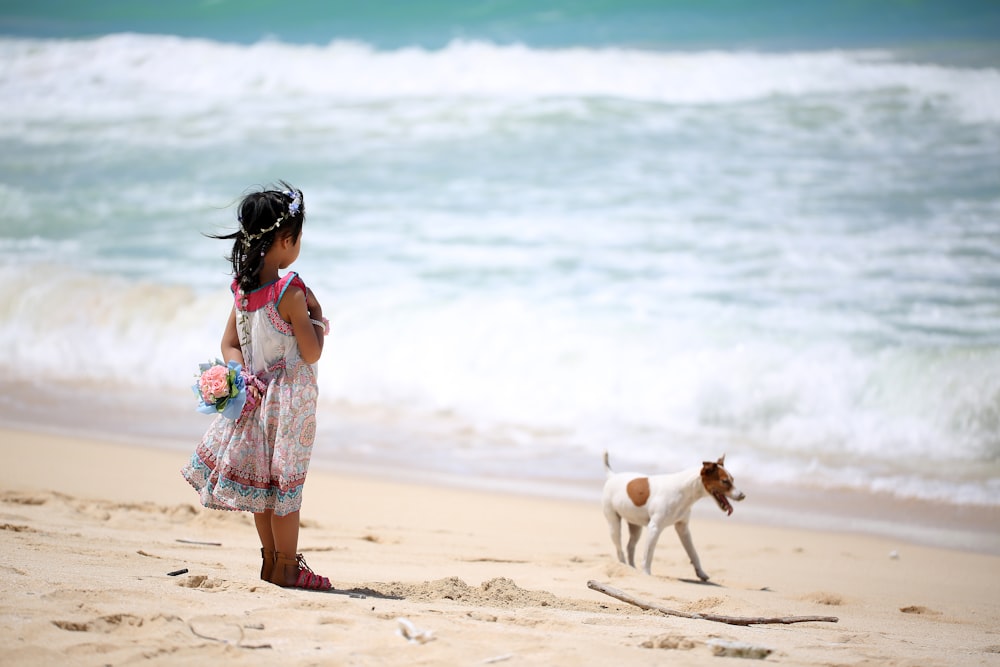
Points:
(659, 24)
(670, 230)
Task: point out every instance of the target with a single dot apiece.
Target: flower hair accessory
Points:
(293, 210)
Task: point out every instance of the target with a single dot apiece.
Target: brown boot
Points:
(292, 572)
(267, 564)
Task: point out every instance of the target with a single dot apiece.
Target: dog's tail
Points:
(607, 464)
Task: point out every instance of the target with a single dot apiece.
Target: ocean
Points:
(668, 230)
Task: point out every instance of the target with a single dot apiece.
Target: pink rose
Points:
(214, 383)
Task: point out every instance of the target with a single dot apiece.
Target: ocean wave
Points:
(63, 325)
(128, 75)
(512, 372)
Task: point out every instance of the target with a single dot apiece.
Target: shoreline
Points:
(494, 576)
(920, 522)
(92, 412)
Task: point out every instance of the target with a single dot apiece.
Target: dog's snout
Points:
(740, 496)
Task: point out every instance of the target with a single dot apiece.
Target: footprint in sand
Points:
(203, 582)
(704, 604)
(17, 528)
(822, 597)
(158, 625)
(917, 609)
(18, 498)
(617, 570)
(103, 624)
(674, 642)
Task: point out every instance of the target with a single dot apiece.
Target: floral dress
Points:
(259, 461)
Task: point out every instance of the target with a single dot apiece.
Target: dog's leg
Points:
(634, 531)
(615, 528)
(684, 532)
(652, 535)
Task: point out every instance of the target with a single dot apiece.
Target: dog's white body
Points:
(658, 501)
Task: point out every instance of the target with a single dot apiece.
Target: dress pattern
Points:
(259, 461)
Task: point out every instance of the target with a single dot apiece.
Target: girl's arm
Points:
(231, 350)
(296, 311)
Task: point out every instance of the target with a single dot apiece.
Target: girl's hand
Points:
(315, 310)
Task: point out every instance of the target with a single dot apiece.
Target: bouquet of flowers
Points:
(221, 388)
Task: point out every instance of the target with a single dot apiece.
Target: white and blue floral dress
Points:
(259, 461)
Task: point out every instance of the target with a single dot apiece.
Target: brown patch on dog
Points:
(714, 473)
(638, 490)
(719, 483)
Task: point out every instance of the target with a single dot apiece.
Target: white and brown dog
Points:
(658, 501)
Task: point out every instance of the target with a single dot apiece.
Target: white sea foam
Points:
(791, 257)
(129, 76)
(509, 372)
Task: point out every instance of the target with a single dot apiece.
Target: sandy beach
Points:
(665, 232)
(489, 578)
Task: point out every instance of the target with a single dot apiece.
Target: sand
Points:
(91, 530)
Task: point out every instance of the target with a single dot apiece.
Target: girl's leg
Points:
(284, 532)
(289, 569)
(262, 520)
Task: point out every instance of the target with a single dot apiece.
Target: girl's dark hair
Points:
(262, 217)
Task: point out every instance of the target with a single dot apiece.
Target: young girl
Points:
(258, 463)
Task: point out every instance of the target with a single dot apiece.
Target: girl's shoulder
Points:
(291, 279)
(270, 293)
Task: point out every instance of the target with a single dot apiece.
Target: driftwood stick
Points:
(204, 544)
(718, 618)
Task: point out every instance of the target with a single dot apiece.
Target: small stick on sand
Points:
(731, 620)
(204, 544)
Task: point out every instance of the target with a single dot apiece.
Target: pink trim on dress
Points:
(270, 293)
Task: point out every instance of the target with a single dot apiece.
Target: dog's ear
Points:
(708, 467)
(722, 461)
